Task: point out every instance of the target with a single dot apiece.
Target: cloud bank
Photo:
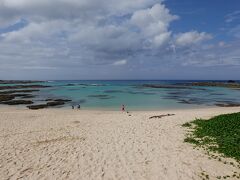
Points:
(77, 36)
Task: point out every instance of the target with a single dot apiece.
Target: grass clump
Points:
(219, 134)
(191, 140)
(187, 124)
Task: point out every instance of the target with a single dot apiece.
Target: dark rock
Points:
(231, 104)
(39, 106)
(19, 95)
(70, 85)
(23, 87)
(113, 91)
(6, 97)
(99, 96)
(23, 95)
(18, 82)
(161, 116)
(165, 86)
(55, 103)
(28, 96)
(49, 104)
(195, 101)
(231, 81)
(185, 101)
(215, 84)
(62, 100)
(17, 102)
(18, 91)
(58, 100)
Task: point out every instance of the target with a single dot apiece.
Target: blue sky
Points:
(205, 15)
(128, 39)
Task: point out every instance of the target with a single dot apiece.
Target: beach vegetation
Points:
(218, 134)
(187, 124)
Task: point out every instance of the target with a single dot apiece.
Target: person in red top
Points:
(123, 107)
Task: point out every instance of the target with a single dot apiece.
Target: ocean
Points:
(112, 94)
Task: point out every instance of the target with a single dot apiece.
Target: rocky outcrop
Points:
(229, 104)
(215, 84)
(70, 84)
(62, 100)
(6, 97)
(28, 96)
(39, 106)
(56, 102)
(18, 82)
(49, 99)
(17, 102)
(165, 86)
(161, 116)
(22, 90)
(19, 91)
(99, 96)
(23, 87)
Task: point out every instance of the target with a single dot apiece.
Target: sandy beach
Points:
(72, 144)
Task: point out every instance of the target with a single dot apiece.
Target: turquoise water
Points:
(112, 94)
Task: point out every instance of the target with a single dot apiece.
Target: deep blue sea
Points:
(112, 94)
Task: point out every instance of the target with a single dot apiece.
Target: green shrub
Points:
(220, 133)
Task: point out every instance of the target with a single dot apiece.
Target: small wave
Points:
(96, 84)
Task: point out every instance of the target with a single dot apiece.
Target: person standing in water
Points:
(123, 107)
(79, 107)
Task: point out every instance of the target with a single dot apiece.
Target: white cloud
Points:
(120, 63)
(161, 39)
(158, 14)
(67, 9)
(192, 37)
(88, 33)
(213, 56)
(34, 31)
(153, 23)
(235, 31)
(231, 17)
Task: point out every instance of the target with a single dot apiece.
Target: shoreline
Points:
(150, 109)
(86, 144)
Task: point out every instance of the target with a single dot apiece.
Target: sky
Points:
(127, 39)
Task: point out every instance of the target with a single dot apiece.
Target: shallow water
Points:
(112, 94)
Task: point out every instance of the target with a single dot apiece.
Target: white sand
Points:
(71, 144)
